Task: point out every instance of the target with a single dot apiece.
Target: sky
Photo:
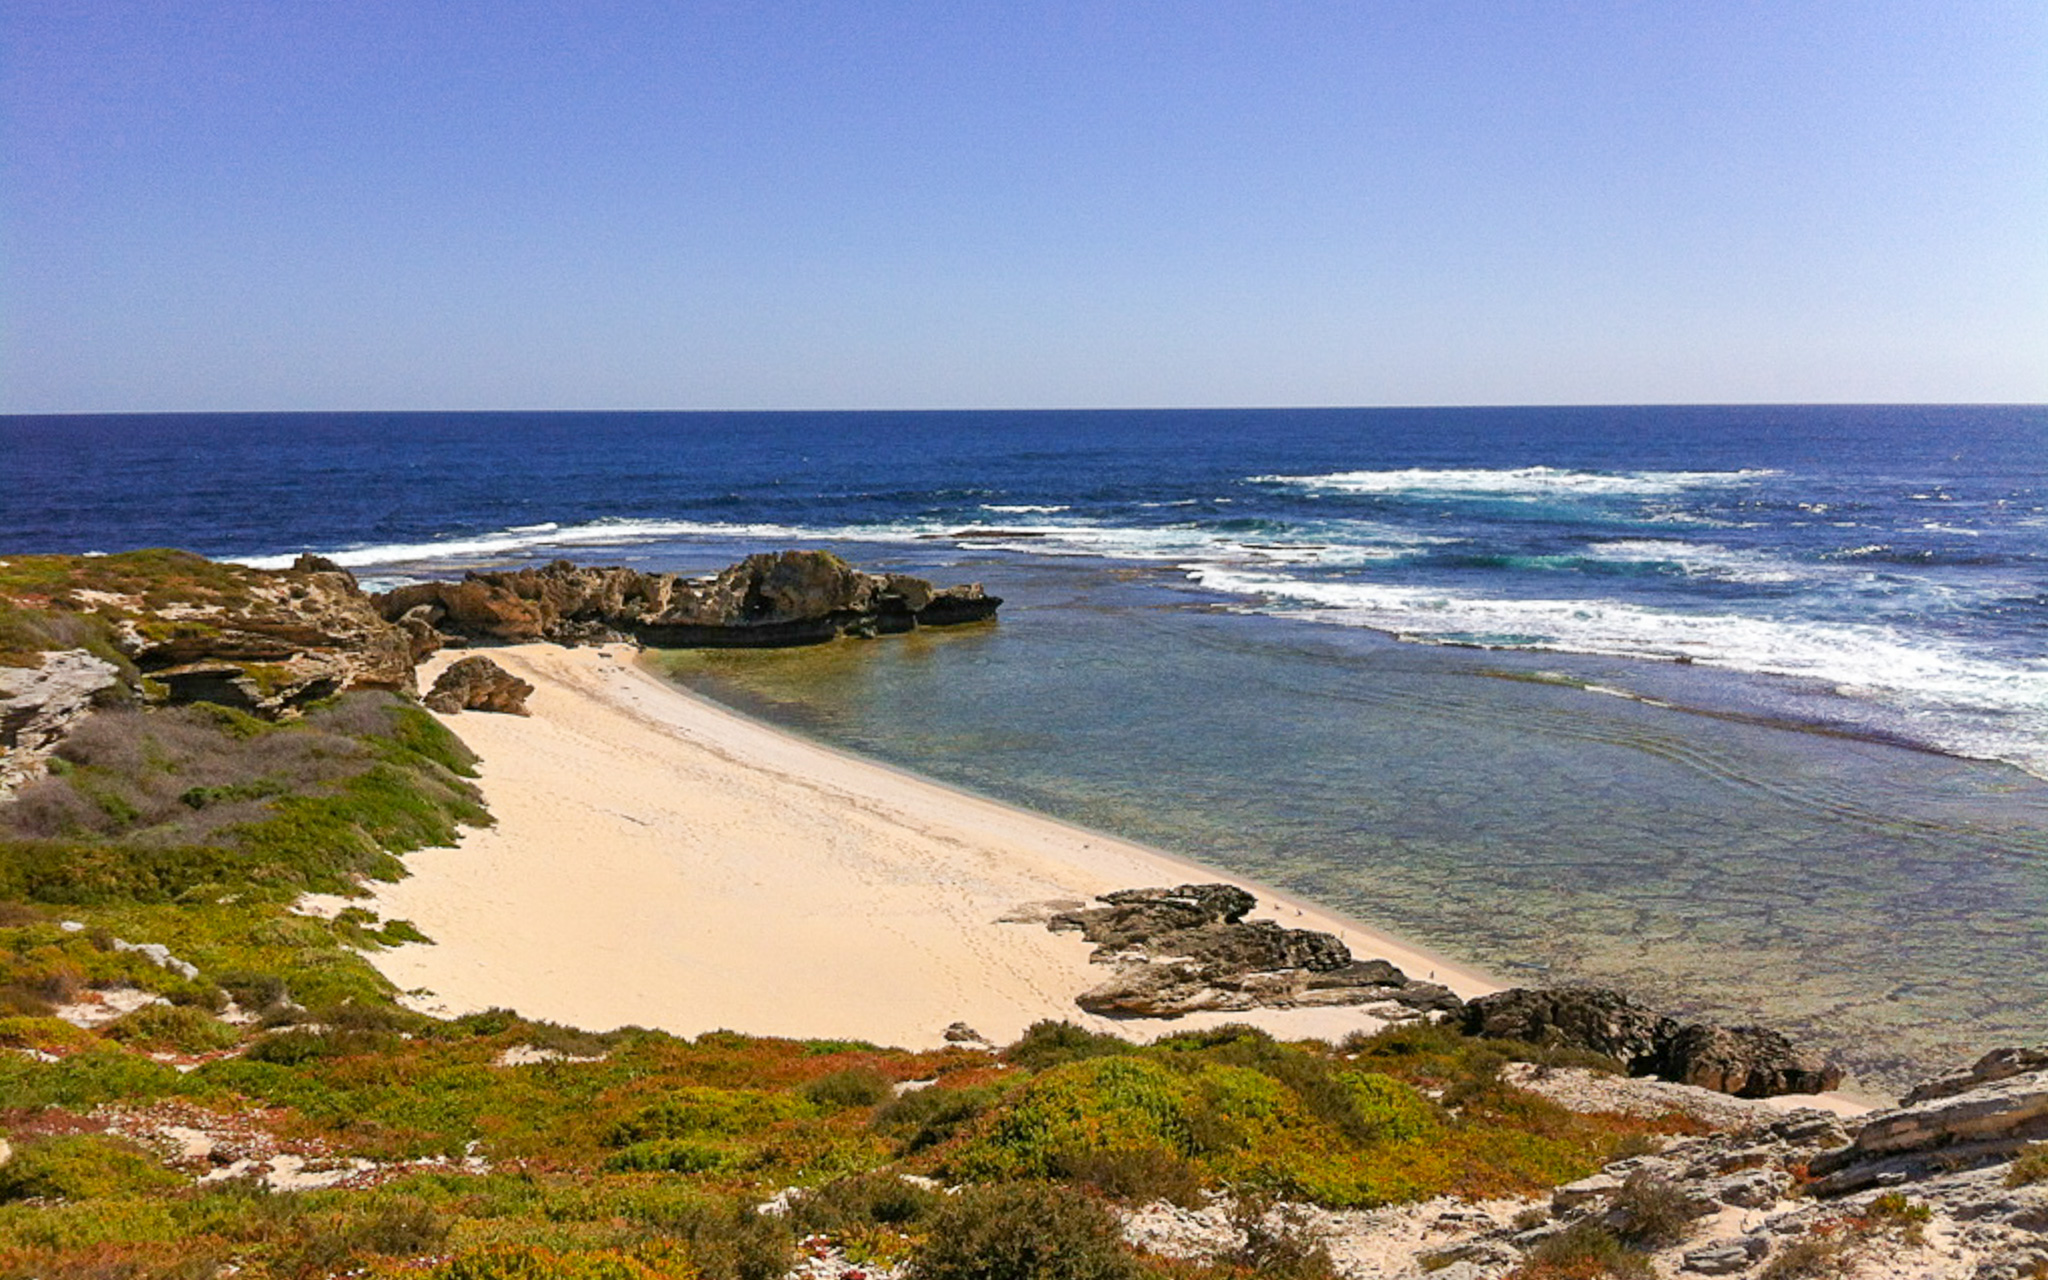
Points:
(785, 205)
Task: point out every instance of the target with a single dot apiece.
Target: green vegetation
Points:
(163, 857)
(2029, 1167)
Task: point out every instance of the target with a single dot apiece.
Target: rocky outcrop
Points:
(169, 626)
(1748, 1062)
(775, 599)
(476, 683)
(1189, 949)
(40, 704)
(1999, 1064)
(1990, 1121)
(283, 639)
(1590, 1018)
(1925, 1189)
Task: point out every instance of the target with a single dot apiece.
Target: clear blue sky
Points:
(499, 204)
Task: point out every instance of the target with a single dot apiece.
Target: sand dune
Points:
(660, 861)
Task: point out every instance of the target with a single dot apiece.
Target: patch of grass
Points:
(2029, 1167)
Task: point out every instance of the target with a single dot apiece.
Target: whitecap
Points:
(1518, 482)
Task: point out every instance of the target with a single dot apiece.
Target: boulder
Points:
(476, 683)
(1748, 1062)
(1590, 1018)
(1136, 916)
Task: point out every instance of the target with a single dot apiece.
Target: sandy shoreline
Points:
(658, 860)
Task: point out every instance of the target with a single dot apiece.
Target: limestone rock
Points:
(40, 704)
(476, 683)
(1747, 1062)
(1590, 1018)
(1999, 1064)
(779, 598)
(1955, 1131)
(1725, 1257)
(1189, 949)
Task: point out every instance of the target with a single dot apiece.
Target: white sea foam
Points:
(1335, 543)
(1519, 482)
(1956, 698)
(597, 534)
(1024, 510)
(1703, 560)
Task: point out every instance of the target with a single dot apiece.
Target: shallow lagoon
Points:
(1885, 903)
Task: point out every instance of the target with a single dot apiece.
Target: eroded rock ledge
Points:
(1190, 949)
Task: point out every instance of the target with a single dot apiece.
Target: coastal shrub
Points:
(98, 1073)
(928, 1117)
(1653, 1211)
(533, 1262)
(390, 1227)
(2029, 1167)
(297, 1045)
(44, 1034)
(856, 1087)
(1133, 1175)
(878, 1198)
(159, 802)
(1820, 1254)
(1048, 1043)
(699, 1109)
(80, 1167)
(1099, 1104)
(730, 1240)
(1022, 1231)
(175, 1027)
(1583, 1251)
(672, 1157)
(1277, 1241)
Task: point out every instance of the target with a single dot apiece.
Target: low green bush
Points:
(865, 1199)
(174, 1027)
(1583, 1251)
(856, 1087)
(2029, 1167)
(81, 1167)
(1022, 1231)
(1049, 1043)
(929, 1117)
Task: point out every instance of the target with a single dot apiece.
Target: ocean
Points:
(1743, 709)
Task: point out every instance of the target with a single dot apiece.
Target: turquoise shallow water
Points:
(1883, 902)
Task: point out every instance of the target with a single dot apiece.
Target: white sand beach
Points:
(658, 860)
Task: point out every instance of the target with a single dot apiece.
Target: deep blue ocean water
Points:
(1744, 708)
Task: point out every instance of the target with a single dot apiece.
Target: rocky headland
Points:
(773, 599)
(169, 627)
